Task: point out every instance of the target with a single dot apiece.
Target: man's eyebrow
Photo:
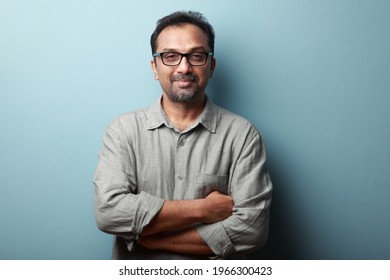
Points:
(194, 49)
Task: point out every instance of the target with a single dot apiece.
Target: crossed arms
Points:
(163, 233)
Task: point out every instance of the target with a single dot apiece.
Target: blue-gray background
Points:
(313, 76)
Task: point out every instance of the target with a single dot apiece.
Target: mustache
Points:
(184, 77)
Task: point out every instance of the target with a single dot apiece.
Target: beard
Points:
(187, 94)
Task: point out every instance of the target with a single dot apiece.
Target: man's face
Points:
(183, 83)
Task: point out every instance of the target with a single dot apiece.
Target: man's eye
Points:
(171, 56)
(197, 56)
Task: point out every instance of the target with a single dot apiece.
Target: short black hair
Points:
(179, 18)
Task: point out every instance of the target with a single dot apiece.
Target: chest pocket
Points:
(205, 184)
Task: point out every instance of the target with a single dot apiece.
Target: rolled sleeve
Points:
(216, 238)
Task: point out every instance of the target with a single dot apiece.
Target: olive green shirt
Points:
(144, 160)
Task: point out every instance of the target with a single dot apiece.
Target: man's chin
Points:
(183, 97)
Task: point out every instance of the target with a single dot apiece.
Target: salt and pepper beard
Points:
(186, 95)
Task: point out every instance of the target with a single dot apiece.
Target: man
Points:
(183, 178)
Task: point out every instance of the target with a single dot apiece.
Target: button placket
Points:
(179, 167)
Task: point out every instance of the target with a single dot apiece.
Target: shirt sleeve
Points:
(251, 187)
(119, 210)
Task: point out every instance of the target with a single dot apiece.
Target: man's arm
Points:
(118, 210)
(186, 241)
(177, 214)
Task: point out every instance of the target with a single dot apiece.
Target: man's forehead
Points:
(190, 35)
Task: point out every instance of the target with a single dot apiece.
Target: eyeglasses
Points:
(174, 58)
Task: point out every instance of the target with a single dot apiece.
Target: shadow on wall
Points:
(280, 244)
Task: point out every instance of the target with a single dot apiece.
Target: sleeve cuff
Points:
(216, 238)
(149, 207)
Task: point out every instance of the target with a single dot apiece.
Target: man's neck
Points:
(182, 115)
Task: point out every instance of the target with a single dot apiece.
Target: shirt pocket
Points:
(206, 183)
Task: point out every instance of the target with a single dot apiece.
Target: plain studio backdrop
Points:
(313, 76)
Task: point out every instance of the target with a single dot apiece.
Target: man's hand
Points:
(217, 207)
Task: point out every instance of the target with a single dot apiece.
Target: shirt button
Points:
(180, 178)
(182, 143)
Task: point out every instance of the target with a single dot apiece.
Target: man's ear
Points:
(212, 67)
(154, 68)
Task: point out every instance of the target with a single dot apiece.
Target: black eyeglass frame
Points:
(186, 55)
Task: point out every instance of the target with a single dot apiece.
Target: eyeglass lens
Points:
(173, 58)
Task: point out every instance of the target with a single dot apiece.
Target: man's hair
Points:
(179, 18)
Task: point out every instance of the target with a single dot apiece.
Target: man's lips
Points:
(184, 83)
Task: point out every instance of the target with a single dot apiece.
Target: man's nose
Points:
(184, 66)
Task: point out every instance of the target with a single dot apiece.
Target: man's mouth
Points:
(184, 83)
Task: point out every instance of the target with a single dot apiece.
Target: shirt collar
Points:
(208, 118)
(156, 116)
